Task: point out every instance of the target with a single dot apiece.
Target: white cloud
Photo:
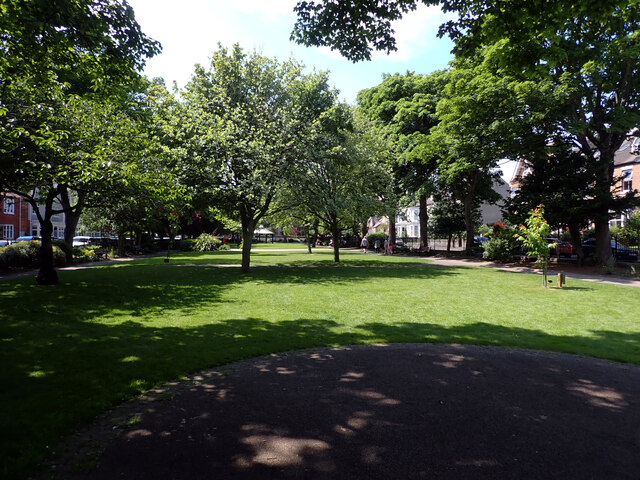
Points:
(415, 32)
(270, 10)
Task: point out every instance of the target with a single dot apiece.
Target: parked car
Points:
(566, 249)
(26, 238)
(480, 241)
(622, 253)
(4, 243)
(81, 241)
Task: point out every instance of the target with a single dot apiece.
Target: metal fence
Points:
(457, 244)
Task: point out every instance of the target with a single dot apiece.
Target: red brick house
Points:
(15, 218)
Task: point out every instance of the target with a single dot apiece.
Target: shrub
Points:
(85, 254)
(64, 246)
(224, 246)
(27, 255)
(207, 243)
(59, 257)
(187, 244)
(501, 245)
(21, 254)
(372, 237)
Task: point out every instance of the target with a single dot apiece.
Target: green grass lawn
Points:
(106, 334)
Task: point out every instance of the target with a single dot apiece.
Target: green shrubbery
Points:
(372, 237)
(26, 255)
(207, 243)
(187, 244)
(502, 245)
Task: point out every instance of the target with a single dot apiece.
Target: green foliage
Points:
(206, 243)
(27, 255)
(64, 246)
(631, 230)
(372, 237)
(188, 244)
(21, 254)
(499, 249)
(533, 235)
(84, 254)
(483, 230)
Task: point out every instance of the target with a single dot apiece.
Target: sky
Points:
(189, 31)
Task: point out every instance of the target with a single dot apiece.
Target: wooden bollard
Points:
(561, 279)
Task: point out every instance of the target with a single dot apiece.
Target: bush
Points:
(85, 254)
(501, 245)
(187, 244)
(27, 255)
(207, 243)
(372, 237)
(21, 255)
(64, 246)
(224, 246)
(59, 257)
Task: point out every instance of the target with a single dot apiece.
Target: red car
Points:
(566, 249)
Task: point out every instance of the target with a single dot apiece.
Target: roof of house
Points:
(628, 153)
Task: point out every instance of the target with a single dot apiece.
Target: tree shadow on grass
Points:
(387, 411)
(67, 356)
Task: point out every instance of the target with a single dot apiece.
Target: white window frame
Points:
(627, 178)
(9, 206)
(8, 232)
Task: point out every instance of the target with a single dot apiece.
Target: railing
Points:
(457, 244)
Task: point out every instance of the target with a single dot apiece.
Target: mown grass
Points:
(106, 334)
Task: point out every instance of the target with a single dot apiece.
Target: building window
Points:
(10, 206)
(8, 232)
(627, 181)
(35, 229)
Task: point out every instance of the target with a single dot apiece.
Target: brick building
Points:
(15, 217)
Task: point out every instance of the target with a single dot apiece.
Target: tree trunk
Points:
(392, 229)
(248, 227)
(314, 238)
(449, 244)
(603, 182)
(468, 221)
(603, 240)
(47, 274)
(121, 243)
(423, 216)
(71, 217)
(574, 231)
(335, 233)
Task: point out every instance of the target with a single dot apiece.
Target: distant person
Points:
(386, 245)
(390, 247)
(364, 244)
(377, 245)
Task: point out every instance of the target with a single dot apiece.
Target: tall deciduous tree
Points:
(51, 55)
(246, 121)
(339, 177)
(585, 53)
(405, 105)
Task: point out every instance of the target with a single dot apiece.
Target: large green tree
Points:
(58, 60)
(405, 106)
(339, 178)
(246, 118)
(584, 53)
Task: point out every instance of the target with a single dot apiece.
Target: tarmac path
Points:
(406, 411)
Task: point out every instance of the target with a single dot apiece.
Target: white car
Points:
(80, 241)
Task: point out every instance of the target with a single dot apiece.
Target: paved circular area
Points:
(382, 411)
